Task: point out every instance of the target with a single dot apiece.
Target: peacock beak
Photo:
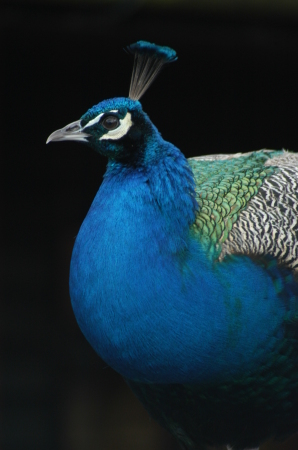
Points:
(72, 132)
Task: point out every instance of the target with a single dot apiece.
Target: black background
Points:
(233, 88)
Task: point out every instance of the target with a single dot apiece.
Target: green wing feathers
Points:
(224, 186)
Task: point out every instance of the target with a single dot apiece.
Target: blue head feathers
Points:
(117, 127)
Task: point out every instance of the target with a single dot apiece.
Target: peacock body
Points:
(183, 274)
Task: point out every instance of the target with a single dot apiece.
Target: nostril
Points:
(73, 128)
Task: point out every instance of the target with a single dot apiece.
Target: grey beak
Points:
(72, 132)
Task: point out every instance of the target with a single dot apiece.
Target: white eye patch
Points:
(123, 128)
(97, 119)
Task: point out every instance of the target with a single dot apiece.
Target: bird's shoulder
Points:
(248, 204)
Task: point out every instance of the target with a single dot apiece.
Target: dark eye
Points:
(110, 122)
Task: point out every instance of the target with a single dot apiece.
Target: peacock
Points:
(183, 275)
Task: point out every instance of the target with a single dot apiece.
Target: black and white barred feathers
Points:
(266, 222)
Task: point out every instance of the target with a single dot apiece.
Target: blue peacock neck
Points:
(158, 190)
(128, 257)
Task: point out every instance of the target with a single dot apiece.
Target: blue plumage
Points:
(184, 280)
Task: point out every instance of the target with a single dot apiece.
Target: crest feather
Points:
(148, 61)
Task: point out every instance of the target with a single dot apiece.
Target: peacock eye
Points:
(110, 122)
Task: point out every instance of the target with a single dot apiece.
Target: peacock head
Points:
(116, 127)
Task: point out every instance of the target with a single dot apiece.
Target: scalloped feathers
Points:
(148, 61)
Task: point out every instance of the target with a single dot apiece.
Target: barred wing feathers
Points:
(248, 204)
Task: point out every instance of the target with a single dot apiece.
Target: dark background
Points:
(233, 88)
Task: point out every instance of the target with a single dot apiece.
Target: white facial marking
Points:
(93, 121)
(97, 118)
(123, 128)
